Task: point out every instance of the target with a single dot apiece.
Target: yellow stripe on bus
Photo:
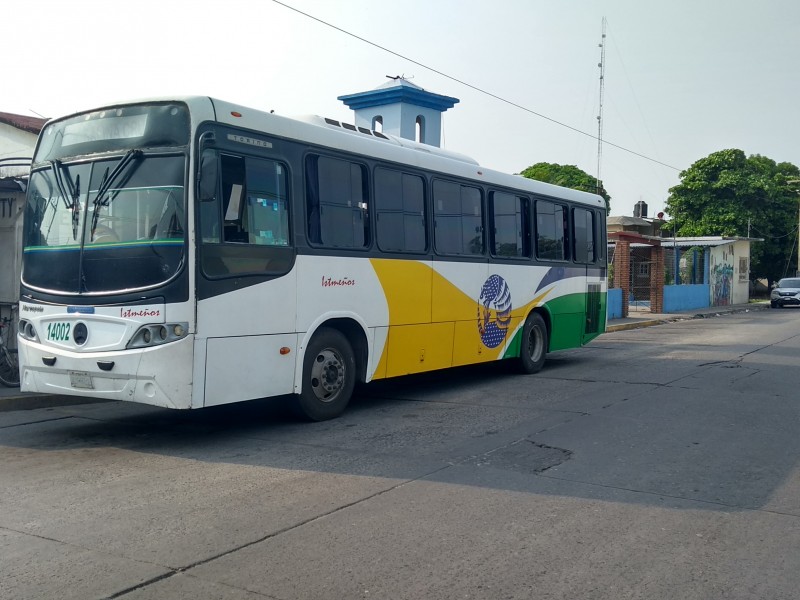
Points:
(415, 342)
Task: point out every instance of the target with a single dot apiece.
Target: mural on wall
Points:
(721, 284)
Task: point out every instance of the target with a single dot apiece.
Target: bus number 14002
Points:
(58, 332)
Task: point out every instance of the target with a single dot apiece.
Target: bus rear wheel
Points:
(329, 376)
(533, 349)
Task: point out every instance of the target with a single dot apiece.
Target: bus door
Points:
(586, 251)
(594, 320)
(246, 285)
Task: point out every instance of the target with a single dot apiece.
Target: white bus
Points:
(189, 252)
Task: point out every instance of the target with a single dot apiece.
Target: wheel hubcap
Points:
(535, 345)
(327, 375)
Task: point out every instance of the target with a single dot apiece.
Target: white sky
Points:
(684, 78)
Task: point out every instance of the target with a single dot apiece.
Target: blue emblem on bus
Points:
(494, 311)
(81, 310)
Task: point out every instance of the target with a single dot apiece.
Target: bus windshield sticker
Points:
(232, 214)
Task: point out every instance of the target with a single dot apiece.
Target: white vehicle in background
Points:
(785, 293)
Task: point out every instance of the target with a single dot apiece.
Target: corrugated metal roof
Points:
(689, 243)
(624, 220)
(702, 242)
(710, 241)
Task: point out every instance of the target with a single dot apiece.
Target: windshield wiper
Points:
(108, 181)
(76, 206)
(73, 195)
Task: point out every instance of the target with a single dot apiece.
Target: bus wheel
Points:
(329, 376)
(533, 348)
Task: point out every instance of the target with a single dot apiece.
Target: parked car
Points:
(786, 293)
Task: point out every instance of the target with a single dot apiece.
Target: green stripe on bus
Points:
(164, 242)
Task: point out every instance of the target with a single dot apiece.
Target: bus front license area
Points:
(81, 380)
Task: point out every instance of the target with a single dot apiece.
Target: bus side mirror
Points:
(207, 177)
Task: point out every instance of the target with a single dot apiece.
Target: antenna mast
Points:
(602, 65)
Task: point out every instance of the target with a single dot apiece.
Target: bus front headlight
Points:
(27, 330)
(155, 335)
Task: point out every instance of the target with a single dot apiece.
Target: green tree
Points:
(724, 192)
(566, 176)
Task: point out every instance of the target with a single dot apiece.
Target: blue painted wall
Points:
(686, 297)
(614, 304)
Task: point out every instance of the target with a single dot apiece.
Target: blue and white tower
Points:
(401, 108)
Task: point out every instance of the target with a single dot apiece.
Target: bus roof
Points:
(358, 140)
(346, 137)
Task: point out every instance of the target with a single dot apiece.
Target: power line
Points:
(474, 87)
(774, 237)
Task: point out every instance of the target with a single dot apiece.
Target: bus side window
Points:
(265, 216)
(458, 218)
(245, 227)
(254, 203)
(600, 242)
(337, 201)
(583, 235)
(510, 231)
(551, 224)
(400, 211)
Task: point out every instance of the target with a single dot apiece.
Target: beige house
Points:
(664, 274)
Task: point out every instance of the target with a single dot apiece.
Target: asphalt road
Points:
(654, 463)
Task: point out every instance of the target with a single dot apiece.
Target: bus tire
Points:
(329, 376)
(533, 347)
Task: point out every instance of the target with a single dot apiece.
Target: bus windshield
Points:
(105, 226)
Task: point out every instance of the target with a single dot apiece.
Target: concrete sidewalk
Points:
(13, 399)
(635, 320)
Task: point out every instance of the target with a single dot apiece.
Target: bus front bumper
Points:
(160, 375)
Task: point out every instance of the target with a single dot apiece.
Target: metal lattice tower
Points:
(602, 65)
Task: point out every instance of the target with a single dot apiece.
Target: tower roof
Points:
(395, 91)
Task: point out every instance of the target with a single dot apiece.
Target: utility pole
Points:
(602, 65)
(797, 191)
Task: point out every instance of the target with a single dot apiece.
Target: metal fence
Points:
(687, 269)
(682, 266)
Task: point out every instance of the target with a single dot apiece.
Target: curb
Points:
(25, 401)
(686, 317)
(637, 325)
